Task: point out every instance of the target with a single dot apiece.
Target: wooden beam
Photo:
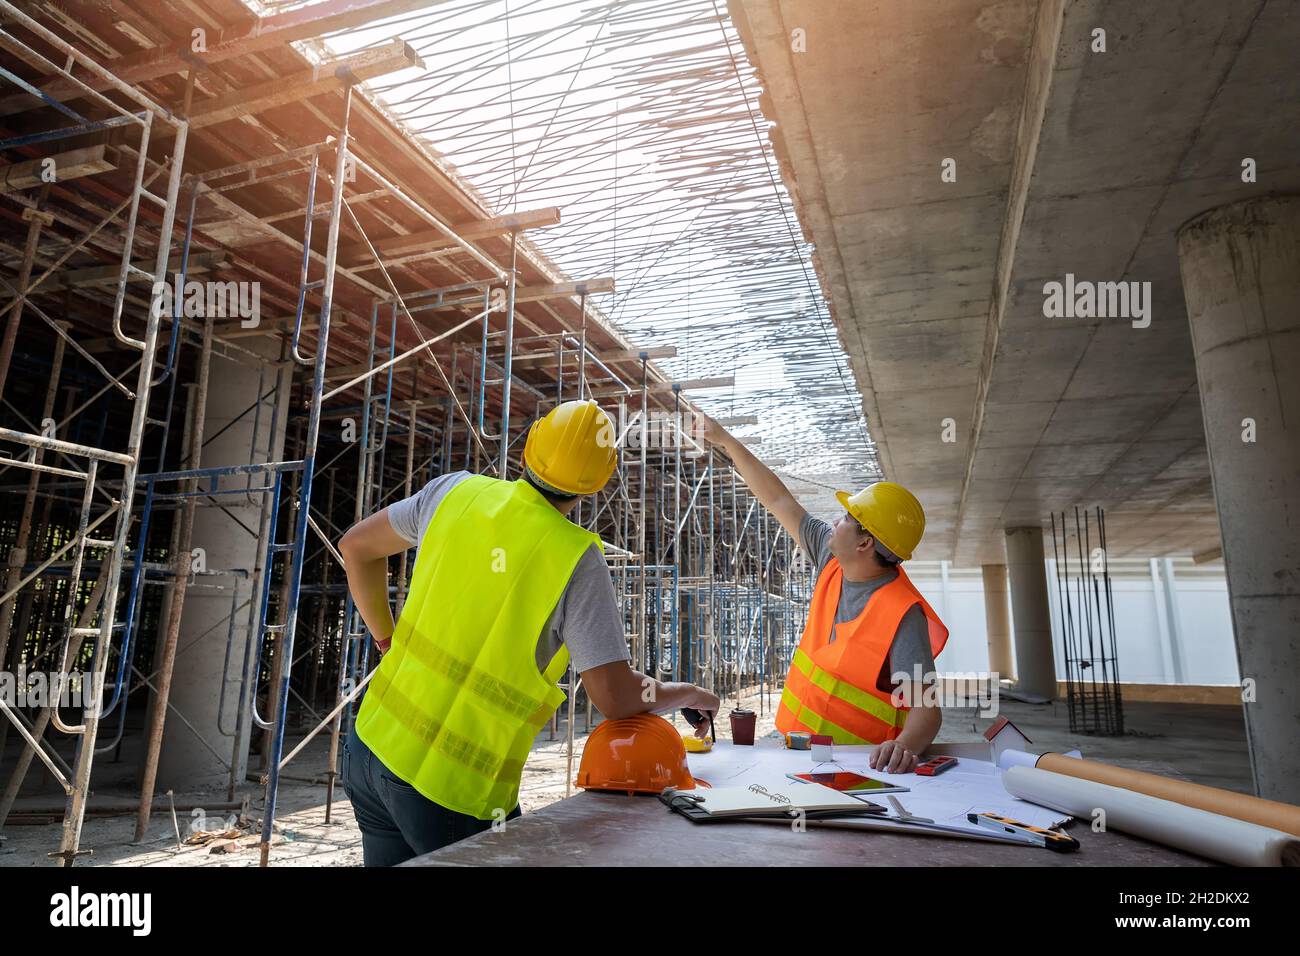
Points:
(723, 381)
(254, 35)
(660, 388)
(348, 371)
(352, 371)
(634, 355)
(199, 262)
(549, 358)
(532, 293)
(75, 163)
(431, 240)
(328, 77)
(561, 290)
(399, 405)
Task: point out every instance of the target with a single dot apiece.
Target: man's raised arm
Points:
(770, 491)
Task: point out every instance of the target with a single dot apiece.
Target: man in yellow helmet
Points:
(506, 590)
(871, 638)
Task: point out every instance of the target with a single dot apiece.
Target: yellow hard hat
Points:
(571, 450)
(890, 512)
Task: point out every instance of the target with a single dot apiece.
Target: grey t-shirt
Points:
(912, 641)
(586, 619)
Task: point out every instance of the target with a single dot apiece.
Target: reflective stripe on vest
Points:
(456, 702)
(831, 686)
(801, 718)
(884, 712)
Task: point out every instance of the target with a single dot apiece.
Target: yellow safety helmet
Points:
(571, 451)
(890, 513)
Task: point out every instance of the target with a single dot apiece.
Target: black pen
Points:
(693, 717)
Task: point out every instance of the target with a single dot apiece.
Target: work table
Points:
(614, 829)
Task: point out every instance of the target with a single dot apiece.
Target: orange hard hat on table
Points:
(641, 754)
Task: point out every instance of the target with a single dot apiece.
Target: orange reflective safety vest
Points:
(831, 688)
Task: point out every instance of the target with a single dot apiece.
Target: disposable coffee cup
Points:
(742, 726)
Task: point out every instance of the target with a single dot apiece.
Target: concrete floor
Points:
(1198, 742)
(1205, 744)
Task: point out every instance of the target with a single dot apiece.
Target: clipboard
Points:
(688, 804)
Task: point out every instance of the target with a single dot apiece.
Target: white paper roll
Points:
(1017, 758)
(1196, 831)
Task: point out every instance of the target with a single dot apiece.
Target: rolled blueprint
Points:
(1017, 758)
(1240, 806)
(1163, 821)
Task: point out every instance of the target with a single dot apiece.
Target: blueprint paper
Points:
(974, 786)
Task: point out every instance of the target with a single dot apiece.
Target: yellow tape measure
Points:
(1052, 839)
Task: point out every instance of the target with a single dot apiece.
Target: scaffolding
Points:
(411, 340)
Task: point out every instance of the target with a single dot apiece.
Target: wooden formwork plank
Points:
(241, 39)
(334, 75)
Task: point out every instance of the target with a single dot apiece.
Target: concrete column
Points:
(228, 536)
(1241, 279)
(1031, 613)
(997, 620)
(1175, 627)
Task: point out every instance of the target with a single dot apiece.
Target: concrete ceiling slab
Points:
(1069, 161)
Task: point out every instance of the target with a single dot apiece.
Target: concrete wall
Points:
(1203, 625)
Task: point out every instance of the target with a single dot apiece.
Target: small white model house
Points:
(1004, 735)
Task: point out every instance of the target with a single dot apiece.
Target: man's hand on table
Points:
(893, 757)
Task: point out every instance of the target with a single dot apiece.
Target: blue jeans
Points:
(397, 821)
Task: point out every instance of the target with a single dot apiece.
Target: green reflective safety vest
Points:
(456, 702)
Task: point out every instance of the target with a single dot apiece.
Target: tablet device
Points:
(848, 782)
